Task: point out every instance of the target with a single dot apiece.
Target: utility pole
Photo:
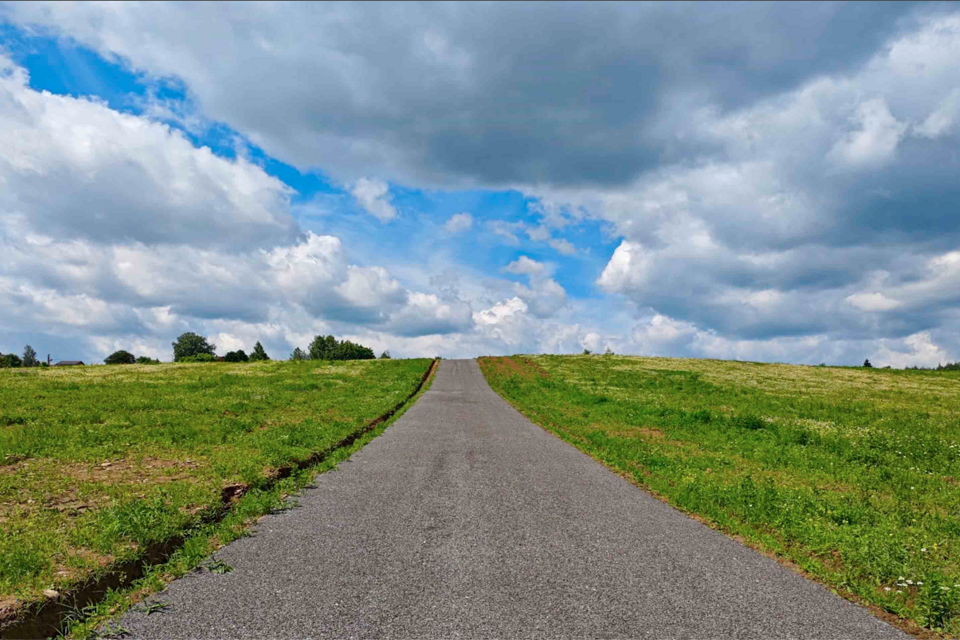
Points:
(48, 359)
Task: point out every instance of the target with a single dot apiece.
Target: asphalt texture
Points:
(463, 519)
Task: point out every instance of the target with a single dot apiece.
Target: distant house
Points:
(68, 363)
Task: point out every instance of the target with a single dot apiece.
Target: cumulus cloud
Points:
(459, 222)
(798, 203)
(76, 168)
(374, 196)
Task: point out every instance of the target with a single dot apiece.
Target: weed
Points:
(218, 567)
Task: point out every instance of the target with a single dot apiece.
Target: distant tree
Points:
(120, 357)
(236, 356)
(258, 353)
(867, 365)
(586, 352)
(608, 352)
(11, 360)
(190, 344)
(328, 348)
(322, 347)
(298, 354)
(147, 360)
(385, 355)
(30, 357)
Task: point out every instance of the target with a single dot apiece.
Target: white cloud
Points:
(459, 223)
(75, 167)
(874, 301)
(562, 246)
(527, 267)
(943, 120)
(876, 138)
(374, 196)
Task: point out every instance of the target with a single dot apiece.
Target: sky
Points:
(765, 182)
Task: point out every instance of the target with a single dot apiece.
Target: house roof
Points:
(67, 363)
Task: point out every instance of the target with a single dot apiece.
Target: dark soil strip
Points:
(48, 618)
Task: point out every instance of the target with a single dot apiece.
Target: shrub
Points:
(236, 356)
(258, 353)
(298, 354)
(200, 357)
(385, 355)
(146, 360)
(867, 365)
(120, 357)
(190, 344)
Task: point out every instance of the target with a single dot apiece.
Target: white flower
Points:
(909, 581)
(887, 589)
(924, 549)
(919, 584)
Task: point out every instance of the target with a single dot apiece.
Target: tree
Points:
(258, 353)
(322, 347)
(10, 360)
(327, 348)
(147, 360)
(385, 355)
(190, 344)
(30, 357)
(298, 354)
(120, 357)
(586, 352)
(867, 365)
(236, 356)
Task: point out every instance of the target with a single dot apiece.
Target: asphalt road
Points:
(464, 519)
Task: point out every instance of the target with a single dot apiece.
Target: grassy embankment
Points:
(99, 463)
(853, 475)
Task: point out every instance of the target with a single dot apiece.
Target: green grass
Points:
(851, 474)
(98, 463)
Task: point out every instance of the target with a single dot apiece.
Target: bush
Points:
(10, 361)
(867, 365)
(236, 356)
(190, 344)
(146, 360)
(258, 353)
(120, 357)
(200, 357)
(385, 355)
(298, 354)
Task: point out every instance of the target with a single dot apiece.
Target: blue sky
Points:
(751, 181)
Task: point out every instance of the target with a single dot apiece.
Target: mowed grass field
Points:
(851, 474)
(98, 463)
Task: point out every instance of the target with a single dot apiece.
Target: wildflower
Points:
(909, 581)
(919, 584)
(924, 549)
(887, 589)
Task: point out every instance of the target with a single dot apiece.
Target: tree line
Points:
(29, 359)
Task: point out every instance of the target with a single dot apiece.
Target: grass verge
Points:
(191, 440)
(101, 620)
(848, 475)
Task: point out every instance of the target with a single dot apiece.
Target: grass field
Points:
(99, 463)
(853, 475)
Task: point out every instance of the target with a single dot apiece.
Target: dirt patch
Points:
(952, 480)
(510, 366)
(643, 432)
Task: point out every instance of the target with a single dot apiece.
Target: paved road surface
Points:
(464, 519)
